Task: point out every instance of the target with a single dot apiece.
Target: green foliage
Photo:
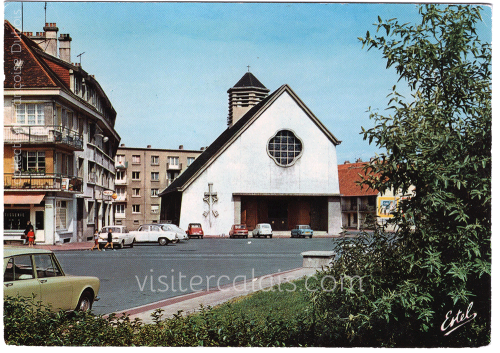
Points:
(439, 142)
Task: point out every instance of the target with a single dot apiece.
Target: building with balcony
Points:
(361, 206)
(59, 141)
(141, 174)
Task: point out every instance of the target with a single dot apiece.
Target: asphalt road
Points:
(148, 273)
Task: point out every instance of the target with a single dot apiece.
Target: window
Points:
(136, 192)
(120, 208)
(155, 176)
(19, 268)
(120, 175)
(31, 114)
(136, 175)
(90, 214)
(120, 159)
(136, 159)
(155, 160)
(155, 208)
(61, 212)
(120, 191)
(118, 222)
(172, 175)
(46, 267)
(173, 160)
(284, 148)
(154, 192)
(136, 208)
(31, 161)
(136, 221)
(190, 160)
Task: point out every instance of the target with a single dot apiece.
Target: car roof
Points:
(23, 251)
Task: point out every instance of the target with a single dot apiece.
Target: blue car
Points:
(302, 231)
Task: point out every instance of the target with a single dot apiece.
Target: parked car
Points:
(302, 231)
(238, 230)
(29, 271)
(262, 230)
(121, 236)
(154, 233)
(181, 234)
(195, 230)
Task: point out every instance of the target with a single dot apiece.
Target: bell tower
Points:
(245, 94)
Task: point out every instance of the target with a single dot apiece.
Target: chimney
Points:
(359, 160)
(347, 162)
(202, 149)
(50, 44)
(181, 147)
(122, 145)
(148, 146)
(65, 47)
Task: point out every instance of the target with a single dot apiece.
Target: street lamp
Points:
(104, 138)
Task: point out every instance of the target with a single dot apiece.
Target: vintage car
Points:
(195, 230)
(302, 231)
(154, 233)
(238, 230)
(29, 271)
(262, 230)
(121, 236)
(181, 234)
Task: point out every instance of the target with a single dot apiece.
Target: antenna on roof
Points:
(22, 17)
(45, 8)
(80, 56)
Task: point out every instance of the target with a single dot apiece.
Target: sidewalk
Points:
(58, 247)
(190, 303)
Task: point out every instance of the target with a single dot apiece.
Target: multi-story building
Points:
(141, 174)
(361, 205)
(59, 141)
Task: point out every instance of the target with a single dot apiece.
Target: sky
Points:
(166, 67)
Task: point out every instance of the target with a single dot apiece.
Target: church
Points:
(275, 163)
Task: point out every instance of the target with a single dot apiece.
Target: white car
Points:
(262, 230)
(154, 233)
(181, 234)
(121, 236)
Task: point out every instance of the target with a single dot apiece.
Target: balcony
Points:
(29, 134)
(121, 198)
(42, 181)
(349, 208)
(174, 166)
(121, 165)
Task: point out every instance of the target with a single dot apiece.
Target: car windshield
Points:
(195, 225)
(240, 226)
(265, 226)
(303, 227)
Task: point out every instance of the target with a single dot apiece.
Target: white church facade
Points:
(275, 163)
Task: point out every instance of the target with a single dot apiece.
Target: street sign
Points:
(107, 192)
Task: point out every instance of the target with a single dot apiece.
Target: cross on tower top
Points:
(248, 68)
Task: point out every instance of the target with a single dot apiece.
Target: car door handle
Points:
(9, 284)
(43, 280)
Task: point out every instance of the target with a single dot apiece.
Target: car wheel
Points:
(310, 236)
(163, 241)
(85, 302)
(175, 241)
(201, 237)
(270, 236)
(132, 243)
(122, 244)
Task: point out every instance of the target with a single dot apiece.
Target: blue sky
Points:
(166, 67)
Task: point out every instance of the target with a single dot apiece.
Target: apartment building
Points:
(59, 141)
(141, 174)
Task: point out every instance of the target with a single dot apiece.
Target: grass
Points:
(283, 301)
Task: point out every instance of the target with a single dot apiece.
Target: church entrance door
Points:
(278, 214)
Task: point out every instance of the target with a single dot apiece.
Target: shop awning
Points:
(29, 199)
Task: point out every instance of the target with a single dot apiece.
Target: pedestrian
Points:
(26, 231)
(96, 241)
(31, 238)
(110, 239)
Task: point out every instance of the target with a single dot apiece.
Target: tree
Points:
(439, 141)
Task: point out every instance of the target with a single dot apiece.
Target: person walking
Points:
(110, 239)
(96, 241)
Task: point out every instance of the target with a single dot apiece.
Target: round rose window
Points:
(284, 148)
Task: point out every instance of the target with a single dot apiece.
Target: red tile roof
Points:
(349, 174)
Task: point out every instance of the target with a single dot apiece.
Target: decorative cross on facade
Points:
(210, 198)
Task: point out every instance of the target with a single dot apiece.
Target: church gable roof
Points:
(229, 135)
